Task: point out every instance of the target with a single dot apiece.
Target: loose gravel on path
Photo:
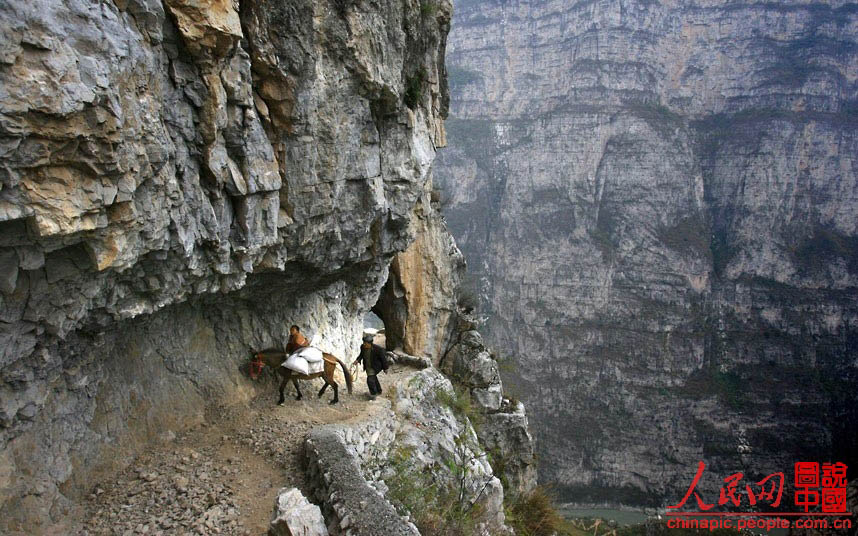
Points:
(223, 476)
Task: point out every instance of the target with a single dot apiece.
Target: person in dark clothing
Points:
(374, 361)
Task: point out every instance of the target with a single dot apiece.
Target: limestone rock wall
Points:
(179, 182)
(419, 302)
(658, 200)
(505, 433)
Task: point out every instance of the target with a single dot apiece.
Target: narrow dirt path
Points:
(223, 477)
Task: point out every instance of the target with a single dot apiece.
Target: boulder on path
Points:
(294, 515)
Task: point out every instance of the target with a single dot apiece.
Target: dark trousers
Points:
(374, 386)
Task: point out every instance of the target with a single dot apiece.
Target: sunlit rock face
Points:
(659, 200)
(179, 182)
(419, 301)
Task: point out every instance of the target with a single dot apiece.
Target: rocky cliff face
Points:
(419, 302)
(659, 201)
(418, 441)
(179, 182)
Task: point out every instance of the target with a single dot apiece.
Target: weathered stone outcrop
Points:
(504, 432)
(659, 200)
(349, 461)
(419, 302)
(436, 438)
(421, 309)
(506, 435)
(294, 515)
(470, 362)
(179, 182)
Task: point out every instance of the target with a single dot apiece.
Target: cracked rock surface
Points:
(179, 182)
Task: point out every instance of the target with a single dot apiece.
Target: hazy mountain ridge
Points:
(661, 199)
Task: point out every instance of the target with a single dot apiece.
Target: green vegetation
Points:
(747, 127)
(416, 382)
(428, 8)
(814, 253)
(534, 514)
(722, 253)
(530, 514)
(460, 402)
(499, 461)
(414, 88)
(729, 386)
(688, 235)
(440, 503)
(741, 128)
(658, 116)
(436, 509)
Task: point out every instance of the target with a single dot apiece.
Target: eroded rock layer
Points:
(419, 302)
(659, 200)
(179, 182)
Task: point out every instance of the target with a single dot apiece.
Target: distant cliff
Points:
(658, 201)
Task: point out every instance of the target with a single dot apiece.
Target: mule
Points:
(274, 358)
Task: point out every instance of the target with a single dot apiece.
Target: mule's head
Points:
(271, 357)
(257, 362)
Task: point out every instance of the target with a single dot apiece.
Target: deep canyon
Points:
(657, 201)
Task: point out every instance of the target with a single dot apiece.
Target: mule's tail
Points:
(347, 374)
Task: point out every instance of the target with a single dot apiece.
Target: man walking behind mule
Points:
(374, 361)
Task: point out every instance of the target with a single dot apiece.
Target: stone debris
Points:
(204, 482)
(506, 433)
(182, 493)
(191, 490)
(294, 515)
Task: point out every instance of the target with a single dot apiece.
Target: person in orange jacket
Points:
(297, 340)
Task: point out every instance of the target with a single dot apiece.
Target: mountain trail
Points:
(223, 476)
